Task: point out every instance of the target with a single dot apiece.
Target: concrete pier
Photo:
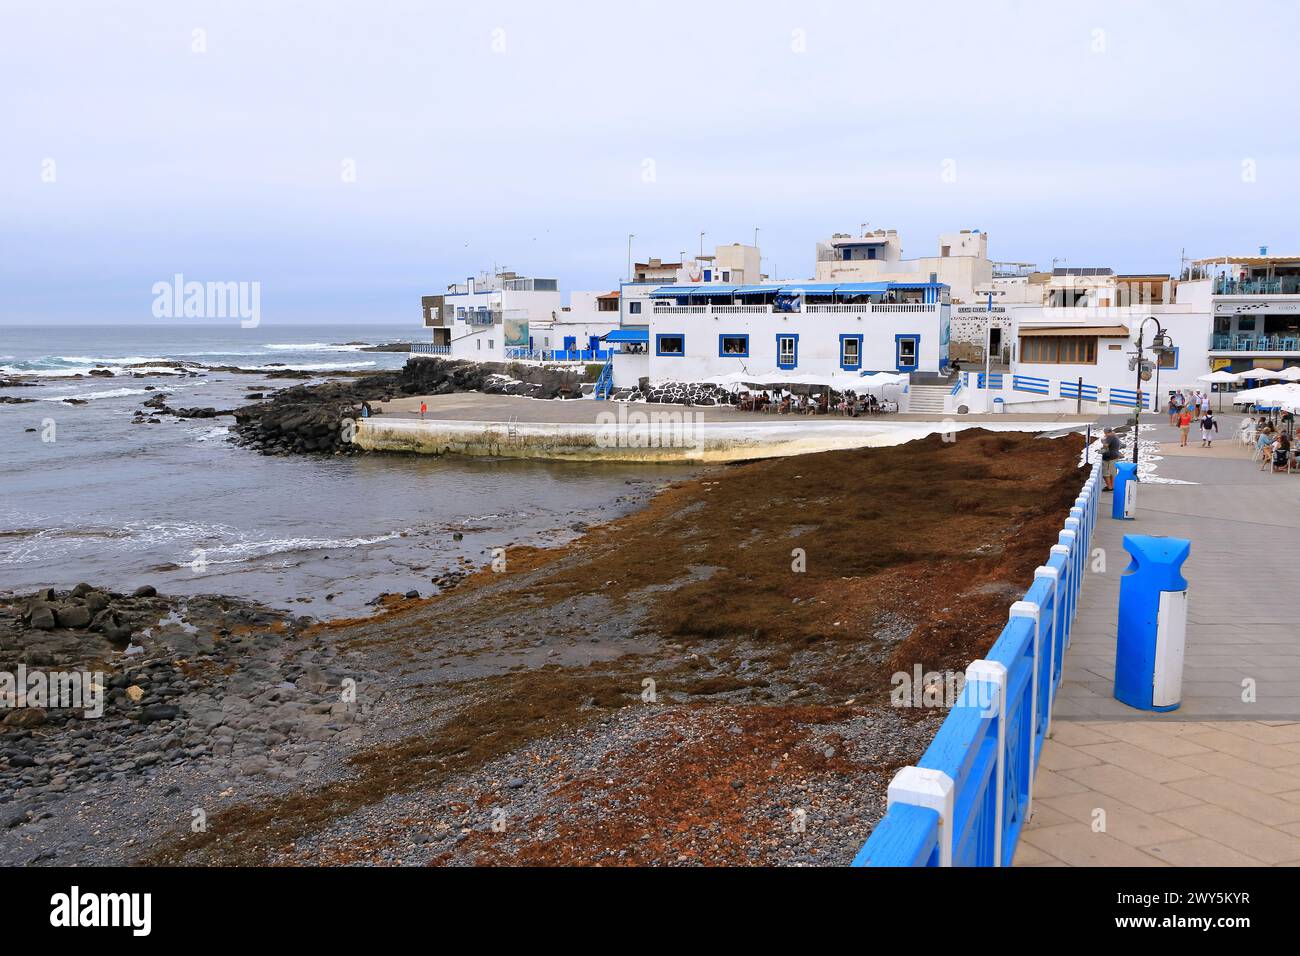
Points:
(470, 423)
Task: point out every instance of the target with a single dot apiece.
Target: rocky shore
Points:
(204, 688)
(676, 687)
(321, 418)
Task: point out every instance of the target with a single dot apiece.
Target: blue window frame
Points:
(850, 352)
(1168, 361)
(907, 352)
(671, 344)
(787, 350)
(733, 345)
(570, 343)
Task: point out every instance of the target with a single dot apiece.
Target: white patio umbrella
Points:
(1220, 377)
(1260, 374)
(1269, 395)
(1291, 373)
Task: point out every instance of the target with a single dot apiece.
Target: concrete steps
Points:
(927, 399)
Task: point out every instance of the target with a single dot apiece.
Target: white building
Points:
(694, 332)
(1078, 347)
(1254, 302)
(962, 261)
(480, 319)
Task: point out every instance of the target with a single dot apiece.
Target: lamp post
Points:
(1160, 344)
(630, 237)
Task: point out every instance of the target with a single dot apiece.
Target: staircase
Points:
(927, 399)
(605, 381)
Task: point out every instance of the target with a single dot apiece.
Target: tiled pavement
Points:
(1216, 782)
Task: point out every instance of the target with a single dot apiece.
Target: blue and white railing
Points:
(514, 353)
(605, 381)
(968, 797)
(425, 348)
(1049, 388)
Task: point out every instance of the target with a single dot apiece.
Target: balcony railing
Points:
(519, 354)
(1286, 285)
(860, 308)
(1224, 342)
(426, 348)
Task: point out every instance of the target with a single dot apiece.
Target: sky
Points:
(350, 157)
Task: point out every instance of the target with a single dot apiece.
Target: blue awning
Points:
(626, 335)
(705, 289)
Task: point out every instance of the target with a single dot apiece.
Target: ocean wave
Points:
(312, 347)
(214, 433)
(311, 366)
(242, 551)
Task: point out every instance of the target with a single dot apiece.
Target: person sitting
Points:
(1281, 452)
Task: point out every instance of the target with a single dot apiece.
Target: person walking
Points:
(1208, 429)
(1184, 426)
(1173, 409)
(1110, 452)
(423, 408)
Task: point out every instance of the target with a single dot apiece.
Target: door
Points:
(995, 343)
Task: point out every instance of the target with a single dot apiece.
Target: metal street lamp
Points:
(1160, 345)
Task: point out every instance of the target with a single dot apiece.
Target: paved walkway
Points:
(1216, 782)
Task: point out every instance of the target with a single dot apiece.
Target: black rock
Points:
(145, 590)
(159, 712)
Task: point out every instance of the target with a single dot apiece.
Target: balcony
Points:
(861, 308)
(1245, 342)
(424, 348)
(1285, 285)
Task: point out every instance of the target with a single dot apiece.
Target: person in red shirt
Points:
(1184, 426)
(424, 408)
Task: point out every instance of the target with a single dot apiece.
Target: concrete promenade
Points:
(1216, 782)
(586, 430)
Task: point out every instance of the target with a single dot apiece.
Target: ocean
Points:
(86, 495)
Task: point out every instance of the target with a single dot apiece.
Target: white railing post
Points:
(1066, 594)
(994, 673)
(1069, 541)
(1057, 615)
(927, 788)
(1031, 610)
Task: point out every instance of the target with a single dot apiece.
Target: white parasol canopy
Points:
(1260, 374)
(1220, 378)
(1268, 395)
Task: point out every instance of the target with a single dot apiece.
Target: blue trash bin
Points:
(1123, 503)
(1152, 632)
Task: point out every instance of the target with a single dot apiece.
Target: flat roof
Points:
(1245, 260)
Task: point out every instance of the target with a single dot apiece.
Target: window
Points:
(726, 277)
(670, 344)
(787, 351)
(708, 275)
(1169, 359)
(945, 251)
(1059, 350)
(906, 347)
(634, 308)
(1245, 323)
(850, 352)
(871, 252)
(734, 346)
(479, 343)
(490, 344)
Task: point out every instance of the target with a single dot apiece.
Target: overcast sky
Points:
(538, 135)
